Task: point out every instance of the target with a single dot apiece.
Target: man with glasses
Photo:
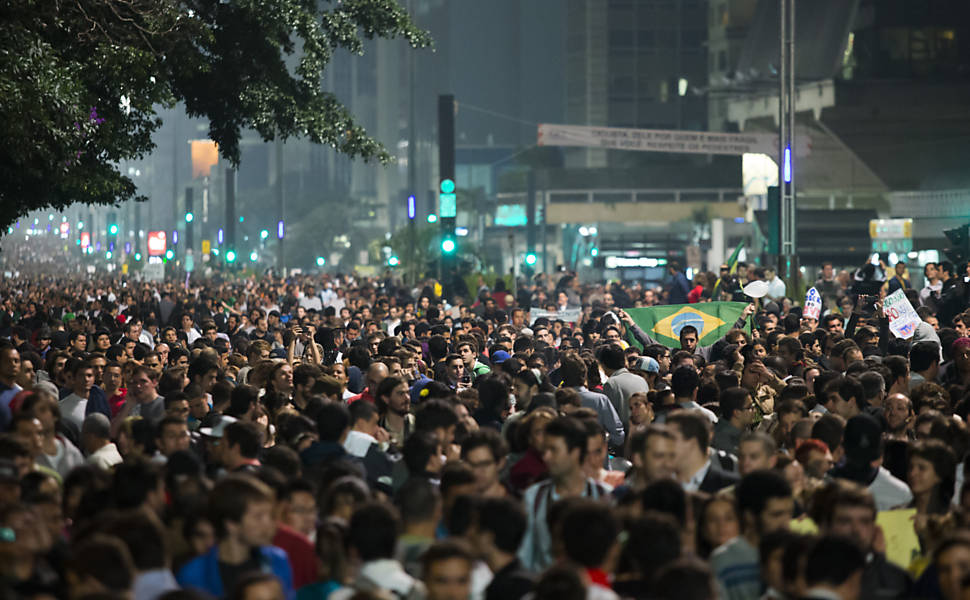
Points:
(485, 451)
(737, 415)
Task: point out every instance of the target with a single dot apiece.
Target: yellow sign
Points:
(803, 524)
(124, 268)
(899, 529)
(206, 247)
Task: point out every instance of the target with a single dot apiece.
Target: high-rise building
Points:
(634, 64)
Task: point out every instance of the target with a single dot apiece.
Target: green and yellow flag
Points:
(711, 319)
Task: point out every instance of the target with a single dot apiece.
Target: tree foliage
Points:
(81, 81)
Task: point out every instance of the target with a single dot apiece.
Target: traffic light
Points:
(230, 256)
(531, 258)
(113, 229)
(189, 217)
(447, 198)
(321, 261)
(393, 261)
(958, 252)
(448, 243)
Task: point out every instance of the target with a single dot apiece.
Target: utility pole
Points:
(787, 257)
(412, 207)
(280, 231)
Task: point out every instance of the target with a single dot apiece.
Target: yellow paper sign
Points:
(804, 525)
(899, 529)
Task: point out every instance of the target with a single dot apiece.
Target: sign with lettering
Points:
(666, 140)
(903, 319)
(813, 305)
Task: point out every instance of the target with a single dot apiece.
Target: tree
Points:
(417, 248)
(81, 81)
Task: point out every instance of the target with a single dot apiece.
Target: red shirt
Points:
(302, 554)
(365, 395)
(528, 470)
(117, 401)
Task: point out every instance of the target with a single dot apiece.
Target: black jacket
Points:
(717, 479)
(510, 583)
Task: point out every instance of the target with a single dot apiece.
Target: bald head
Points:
(376, 373)
(898, 412)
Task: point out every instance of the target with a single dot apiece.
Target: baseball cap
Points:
(217, 426)
(647, 364)
(862, 439)
(499, 357)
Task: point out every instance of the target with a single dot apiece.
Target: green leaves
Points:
(234, 63)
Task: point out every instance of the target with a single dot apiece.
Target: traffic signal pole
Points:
(189, 219)
(447, 198)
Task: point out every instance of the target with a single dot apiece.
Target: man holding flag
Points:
(694, 328)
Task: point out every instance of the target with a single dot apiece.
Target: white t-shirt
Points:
(72, 409)
(888, 491)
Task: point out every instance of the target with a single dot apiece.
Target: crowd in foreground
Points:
(334, 437)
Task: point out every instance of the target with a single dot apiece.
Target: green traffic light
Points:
(230, 256)
(530, 259)
(393, 261)
(432, 218)
(447, 186)
(321, 261)
(113, 229)
(189, 217)
(264, 234)
(448, 245)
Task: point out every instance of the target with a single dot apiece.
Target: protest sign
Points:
(902, 316)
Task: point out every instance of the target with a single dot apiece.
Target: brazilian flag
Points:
(711, 319)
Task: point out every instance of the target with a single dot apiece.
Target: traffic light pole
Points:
(189, 221)
(230, 209)
(446, 176)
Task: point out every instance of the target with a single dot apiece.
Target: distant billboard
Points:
(156, 243)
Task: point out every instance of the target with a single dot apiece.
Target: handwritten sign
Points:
(813, 305)
(903, 319)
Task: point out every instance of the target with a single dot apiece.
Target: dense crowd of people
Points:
(337, 437)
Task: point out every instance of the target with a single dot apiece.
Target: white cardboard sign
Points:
(903, 319)
(813, 305)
